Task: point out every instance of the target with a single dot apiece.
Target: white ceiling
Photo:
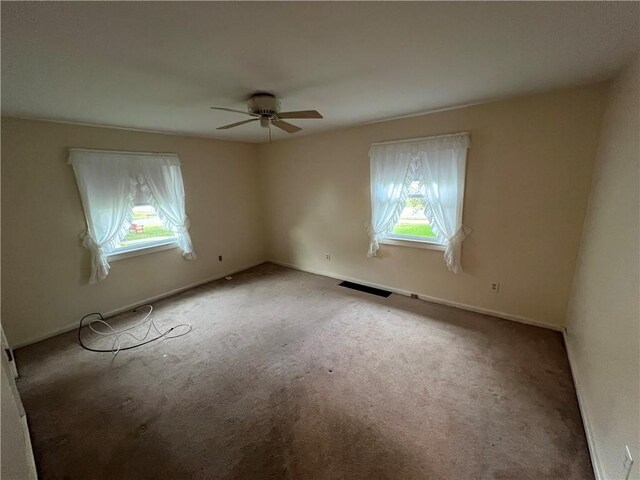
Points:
(160, 65)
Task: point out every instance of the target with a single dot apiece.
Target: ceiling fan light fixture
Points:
(264, 122)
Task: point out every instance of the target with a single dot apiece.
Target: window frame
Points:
(143, 247)
(405, 240)
(103, 178)
(415, 242)
(389, 177)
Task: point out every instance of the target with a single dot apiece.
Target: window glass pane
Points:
(413, 220)
(146, 227)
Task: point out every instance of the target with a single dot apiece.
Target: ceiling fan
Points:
(265, 108)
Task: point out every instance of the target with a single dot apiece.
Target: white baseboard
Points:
(449, 303)
(588, 430)
(74, 325)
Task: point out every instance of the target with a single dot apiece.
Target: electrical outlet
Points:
(327, 256)
(414, 295)
(495, 287)
(220, 258)
(627, 463)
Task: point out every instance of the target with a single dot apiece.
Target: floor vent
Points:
(364, 288)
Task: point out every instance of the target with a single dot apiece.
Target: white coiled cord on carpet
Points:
(118, 334)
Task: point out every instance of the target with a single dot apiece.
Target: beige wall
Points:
(45, 268)
(604, 312)
(528, 178)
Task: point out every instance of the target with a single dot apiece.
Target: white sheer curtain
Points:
(107, 191)
(443, 170)
(107, 183)
(162, 181)
(389, 185)
(441, 161)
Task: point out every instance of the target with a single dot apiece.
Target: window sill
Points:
(413, 244)
(143, 250)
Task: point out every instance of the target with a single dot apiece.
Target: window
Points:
(147, 228)
(413, 224)
(131, 201)
(417, 190)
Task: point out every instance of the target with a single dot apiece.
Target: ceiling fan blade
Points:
(300, 114)
(286, 126)
(234, 111)
(237, 124)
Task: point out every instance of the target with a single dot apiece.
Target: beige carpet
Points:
(287, 375)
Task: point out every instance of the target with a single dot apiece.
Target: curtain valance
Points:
(83, 155)
(427, 144)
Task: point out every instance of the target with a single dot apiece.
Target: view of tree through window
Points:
(413, 220)
(146, 226)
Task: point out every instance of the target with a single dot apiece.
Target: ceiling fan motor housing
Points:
(263, 105)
